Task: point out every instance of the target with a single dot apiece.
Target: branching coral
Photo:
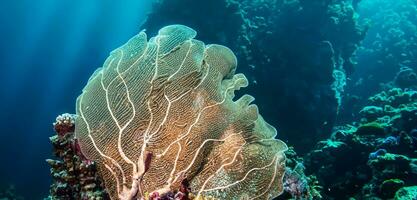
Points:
(160, 112)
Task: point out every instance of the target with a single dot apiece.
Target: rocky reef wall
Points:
(388, 55)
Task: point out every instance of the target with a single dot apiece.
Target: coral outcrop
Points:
(372, 158)
(388, 54)
(159, 118)
(74, 177)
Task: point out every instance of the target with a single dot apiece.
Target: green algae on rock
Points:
(389, 187)
(372, 128)
(406, 193)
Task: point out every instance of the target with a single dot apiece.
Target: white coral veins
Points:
(161, 111)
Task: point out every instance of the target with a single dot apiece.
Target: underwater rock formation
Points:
(74, 177)
(299, 50)
(372, 158)
(159, 117)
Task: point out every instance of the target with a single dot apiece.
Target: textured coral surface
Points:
(74, 177)
(161, 112)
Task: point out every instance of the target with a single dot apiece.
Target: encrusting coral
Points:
(159, 118)
(74, 177)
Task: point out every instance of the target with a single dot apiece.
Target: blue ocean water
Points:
(48, 50)
(313, 66)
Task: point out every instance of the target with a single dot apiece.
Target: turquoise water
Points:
(48, 50)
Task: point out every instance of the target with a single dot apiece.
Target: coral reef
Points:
(388, 52)
(374, 157)
(308, 45)
(74, 177)
(159, 118)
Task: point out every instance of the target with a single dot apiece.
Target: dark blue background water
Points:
(48, 50)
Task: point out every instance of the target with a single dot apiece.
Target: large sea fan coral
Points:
(161, 111)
